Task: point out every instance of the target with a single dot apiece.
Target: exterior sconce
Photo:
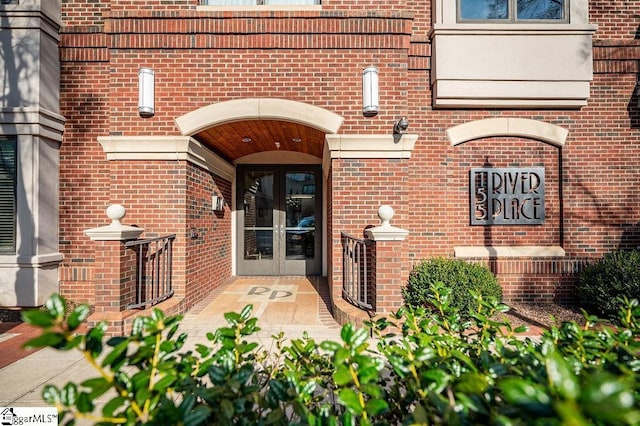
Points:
(370, 103)
(636, 91)
(146, 93)
(401, 126)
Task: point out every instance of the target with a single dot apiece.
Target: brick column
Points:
(391, 267)
(115, 270)
(115, 275)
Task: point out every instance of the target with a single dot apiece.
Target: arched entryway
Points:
(276, 147)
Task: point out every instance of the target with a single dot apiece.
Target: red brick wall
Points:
(202, 58)
(502, 153)
(360, 187)
(84, 171)
(208, 258)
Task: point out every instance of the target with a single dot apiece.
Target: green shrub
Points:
(438, 370)
(615, 275)
(463, 278)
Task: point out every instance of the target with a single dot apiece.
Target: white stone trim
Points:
(30, 261)
(386, 232)
(32, 121)
(485, 92)
(370, 146)
(521, 127)
(166, 148)
(508, 251)
(114, 233)
(510, 29)
(261, 8)
(258, 109)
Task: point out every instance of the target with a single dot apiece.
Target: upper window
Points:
(512, 10)
(7, 194)
(505, 53)
(258, 2)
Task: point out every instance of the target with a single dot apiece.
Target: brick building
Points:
(521, 149)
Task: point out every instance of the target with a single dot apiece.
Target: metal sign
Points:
(507, 196)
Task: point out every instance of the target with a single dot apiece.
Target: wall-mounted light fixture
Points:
(636, 91)
(401, 126)
(370, 104)
(146, 93)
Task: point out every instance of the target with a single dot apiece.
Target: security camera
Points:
(401, 126)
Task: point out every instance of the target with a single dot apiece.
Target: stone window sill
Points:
(508, 251)
(511, 66)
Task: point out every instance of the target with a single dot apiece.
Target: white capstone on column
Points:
(386, 232)
(115, 231)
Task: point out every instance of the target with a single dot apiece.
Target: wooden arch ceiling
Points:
(236, 139)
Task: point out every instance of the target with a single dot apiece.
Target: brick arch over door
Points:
(259, 109)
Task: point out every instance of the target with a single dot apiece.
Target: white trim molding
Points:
(366, 146)
(508, 251)
(32, 121)
(371, 146)
(521, 127)
(258, 109)
(166, 148)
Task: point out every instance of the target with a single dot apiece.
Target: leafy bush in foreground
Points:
(435, 370)
(463, 278)
(615, 275)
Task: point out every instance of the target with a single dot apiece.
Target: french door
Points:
(279, 220)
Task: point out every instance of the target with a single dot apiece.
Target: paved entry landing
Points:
(289, 304)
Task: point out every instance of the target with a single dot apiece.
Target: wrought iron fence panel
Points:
(357, 278)
(153, 270)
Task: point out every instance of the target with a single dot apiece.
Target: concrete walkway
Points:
(289, 304)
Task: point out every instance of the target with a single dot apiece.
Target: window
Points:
(7, 194)
(512, 10)
(505, 53)
(258, 2)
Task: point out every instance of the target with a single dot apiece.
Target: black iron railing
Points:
(357, 277)
(153, 270)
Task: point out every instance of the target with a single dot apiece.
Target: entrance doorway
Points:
(279, 220)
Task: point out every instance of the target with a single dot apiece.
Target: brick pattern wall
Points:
(202, 58)
(208, 258)
(500, 153)
(359, 188)
(116, 271)
(84, 171)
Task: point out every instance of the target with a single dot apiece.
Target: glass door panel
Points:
(300, 215)
(278, 220)
(258, 230)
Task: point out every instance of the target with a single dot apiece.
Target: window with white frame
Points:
(505, 53)
(7, 194)
(513, 10)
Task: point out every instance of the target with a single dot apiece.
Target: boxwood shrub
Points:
(410, 368)
(466, 280)
(602, 283)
